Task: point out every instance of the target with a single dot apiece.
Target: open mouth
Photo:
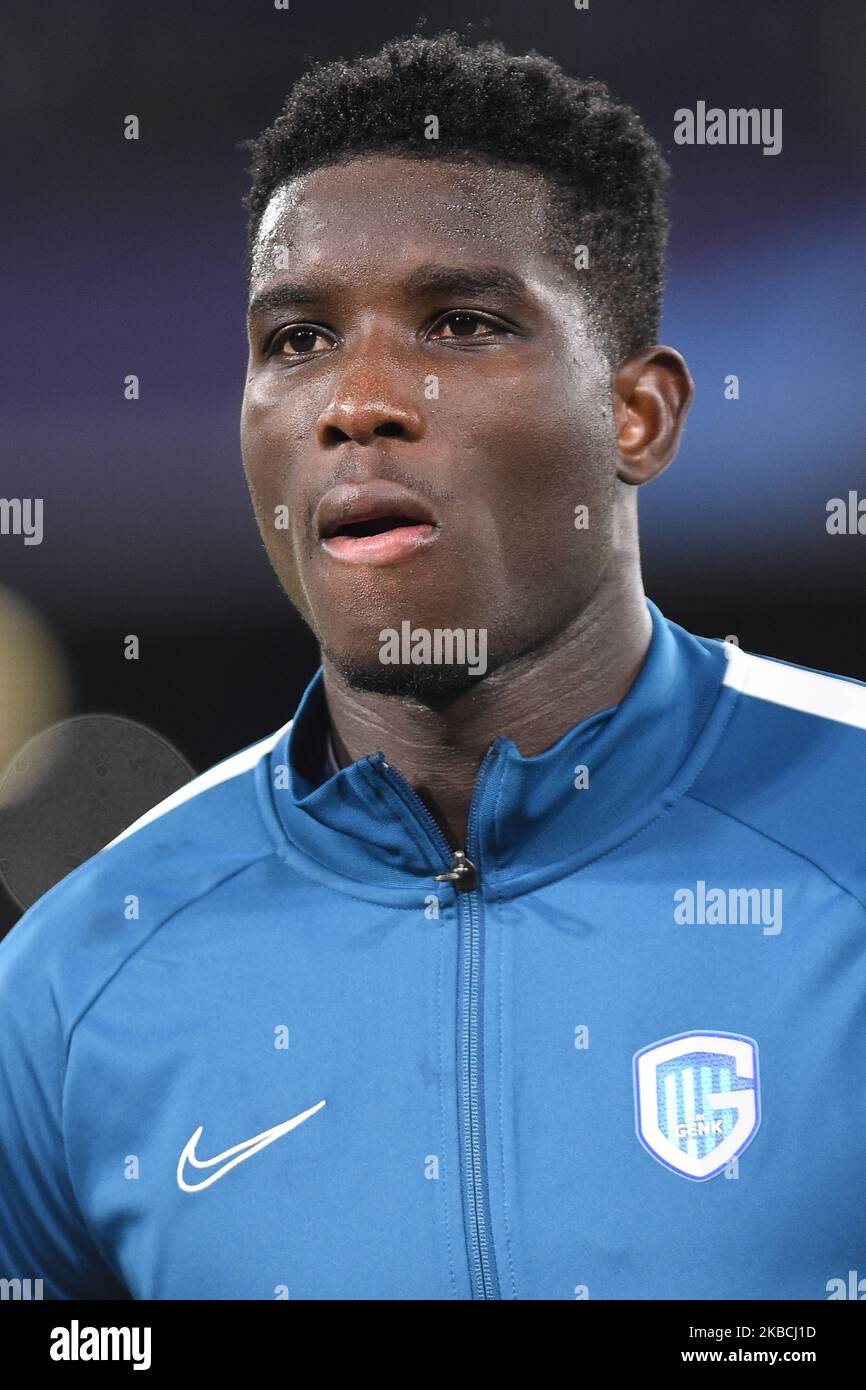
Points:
(379, 540)
(375, 522)
(374, 526)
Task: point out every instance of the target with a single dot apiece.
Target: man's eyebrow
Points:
(432, 279)
(465, 280)
(282, 296)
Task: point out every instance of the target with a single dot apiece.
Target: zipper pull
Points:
(463, 873)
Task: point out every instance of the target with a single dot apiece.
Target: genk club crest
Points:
(697, 1100)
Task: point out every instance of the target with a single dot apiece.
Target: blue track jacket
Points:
(280, 1040)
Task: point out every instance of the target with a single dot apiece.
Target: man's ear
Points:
(652, 392)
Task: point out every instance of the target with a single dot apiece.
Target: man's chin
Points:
(425, 684)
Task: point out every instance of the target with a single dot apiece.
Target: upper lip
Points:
(354, 502)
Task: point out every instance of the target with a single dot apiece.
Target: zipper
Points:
(465, 876)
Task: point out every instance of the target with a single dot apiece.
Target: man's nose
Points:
(374, 395)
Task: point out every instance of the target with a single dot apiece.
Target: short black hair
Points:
(605, 172)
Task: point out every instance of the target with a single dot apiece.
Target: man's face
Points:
(490, 405)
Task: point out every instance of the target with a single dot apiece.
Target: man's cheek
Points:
(260, 497)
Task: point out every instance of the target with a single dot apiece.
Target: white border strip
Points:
(795, 687)
(233, 766)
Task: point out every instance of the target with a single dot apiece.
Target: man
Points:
(528, 960)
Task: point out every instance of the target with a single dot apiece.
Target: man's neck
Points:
(589, 667)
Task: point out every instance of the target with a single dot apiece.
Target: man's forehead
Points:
(382, 199)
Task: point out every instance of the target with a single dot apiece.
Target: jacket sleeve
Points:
(43, 1235)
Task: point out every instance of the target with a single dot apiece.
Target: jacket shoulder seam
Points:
(138, 946)
(747, 825)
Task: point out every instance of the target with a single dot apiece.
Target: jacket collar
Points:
(530, 822)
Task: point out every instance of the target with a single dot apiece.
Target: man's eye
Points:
(463, 325)
(297, 342)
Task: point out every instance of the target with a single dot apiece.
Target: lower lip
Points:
(386, 548)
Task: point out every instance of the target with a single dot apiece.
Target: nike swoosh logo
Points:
(235, 1155)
